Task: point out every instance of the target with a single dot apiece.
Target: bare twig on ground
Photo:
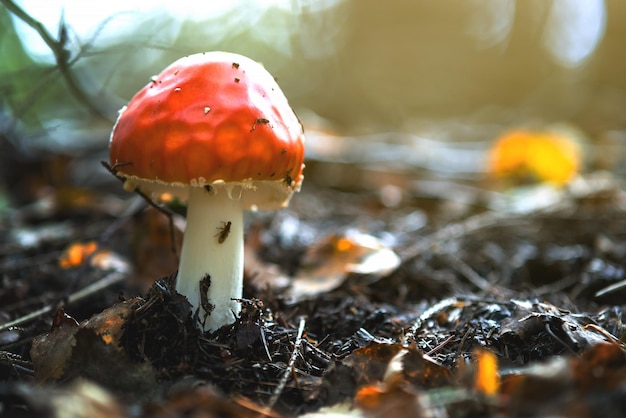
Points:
(289, 370)
(106, 281)
(456, 231)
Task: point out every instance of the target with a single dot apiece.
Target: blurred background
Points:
(396, 86)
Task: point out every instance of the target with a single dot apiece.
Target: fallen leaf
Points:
(542, 155)
(328, 263)
(487, 377)
(50, 352)
(76, 254)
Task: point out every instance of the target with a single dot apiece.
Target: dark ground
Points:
(541, 291)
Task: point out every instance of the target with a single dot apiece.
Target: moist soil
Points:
(481, 313)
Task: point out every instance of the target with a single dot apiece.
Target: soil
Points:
(462, 313)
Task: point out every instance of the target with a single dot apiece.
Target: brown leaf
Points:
(206, 401)
(112, 368)
(423, 372)
(91, 350)
(108, 323)
(370, 363)
(328, 263)
(602, 368)
(583, 386)
(50, 352)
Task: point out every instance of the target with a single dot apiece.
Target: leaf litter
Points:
(488, 314)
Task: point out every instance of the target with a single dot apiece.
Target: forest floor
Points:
(352, 307)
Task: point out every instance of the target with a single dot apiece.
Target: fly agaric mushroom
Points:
(216, 130)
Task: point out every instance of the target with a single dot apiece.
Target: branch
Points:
(61, 55)
(110, 279)
(289, 370)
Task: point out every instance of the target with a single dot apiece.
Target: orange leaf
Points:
(369, 397)
(487, 377)
(76, 254)
(540, 155)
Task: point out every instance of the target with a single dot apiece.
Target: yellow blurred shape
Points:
(109, 328)
(344, 244)
(542, 156)
(166, 197)
(487, 377)
(76, 254)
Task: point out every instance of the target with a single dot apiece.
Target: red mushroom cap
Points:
(211, 119)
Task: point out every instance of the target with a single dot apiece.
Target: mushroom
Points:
(213, 129)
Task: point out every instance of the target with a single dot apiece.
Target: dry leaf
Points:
(76, 254)
(542, 155)
(487, 377)
(50, 352)
(329, 262)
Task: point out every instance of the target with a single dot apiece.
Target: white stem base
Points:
(202, 254)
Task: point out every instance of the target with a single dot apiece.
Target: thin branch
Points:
(108, 280)
(289, 370)
(146, 198)
(61, 55)
(267, 350)
(15, 361)
(469, 273)
(458, 230)
(611, 288)
(425, 316)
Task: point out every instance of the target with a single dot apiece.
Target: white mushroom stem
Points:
(203, 253)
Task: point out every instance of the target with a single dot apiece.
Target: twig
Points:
(288, 371)
(425, 316)
(267, 350)
(559, 340)
(146, 198)
(611, 288)
(610, 337)
(61, 54)
(15, 361)
(108, 280)
(441, 345)
(456, 231)
(468, 272)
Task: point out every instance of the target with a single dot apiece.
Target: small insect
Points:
(288, 180)
(262, 121)
(207, 306)
(224, 231)
(208, 188)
